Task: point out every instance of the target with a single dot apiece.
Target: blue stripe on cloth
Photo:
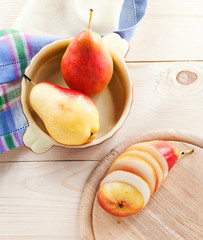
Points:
(21, 132)
(20, 120)
(38, 42)
(5, 57)
(6, 122)
(7, 72)
(128, 16)
(128, 23)
(141, 6)
(12, 120)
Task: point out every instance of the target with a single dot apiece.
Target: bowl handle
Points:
(115, 43)
(37, 140)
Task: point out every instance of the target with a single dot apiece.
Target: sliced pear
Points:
(120, 199)
(168, 150)
(154, 152)
(151, 160)
(137, 165)
(130, 178)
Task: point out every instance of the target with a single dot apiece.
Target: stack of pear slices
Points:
(135, 175)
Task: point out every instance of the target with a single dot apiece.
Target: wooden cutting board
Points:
(175, 211)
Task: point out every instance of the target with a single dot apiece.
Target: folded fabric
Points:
(17, 49)
(68, 17)
(12, 120)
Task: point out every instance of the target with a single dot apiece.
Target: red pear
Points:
(135, 175)
(87, 65)
(168, 150)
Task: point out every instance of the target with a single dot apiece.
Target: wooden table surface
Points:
(40, 194)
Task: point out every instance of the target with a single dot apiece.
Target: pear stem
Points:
(187, 152)
(25, 76)
(90, 19)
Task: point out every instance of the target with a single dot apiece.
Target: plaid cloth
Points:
(16, 51)
(12, 120)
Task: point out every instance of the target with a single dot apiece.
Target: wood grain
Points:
(170, 31)
(40, 200)
(166, 38)
(173, 7)
(178, 200)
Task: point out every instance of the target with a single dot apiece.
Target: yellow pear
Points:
(70, 117)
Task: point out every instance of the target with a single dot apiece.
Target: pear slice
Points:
(137, 165)
(130, 178)
(120, 199)
(154, 152)
(151, 160)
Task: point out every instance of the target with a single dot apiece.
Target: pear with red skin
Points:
(122, 192)
(168, 150)
(120, 199)
(165, 152)
(87, 65)
(70, 117)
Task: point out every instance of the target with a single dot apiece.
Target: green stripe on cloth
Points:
(1, 104)
(23, 66)
(2, 101)
(7, 31)
(21, 54)
(20, 49)
(12, 31)
(13, 94)
(9, 141)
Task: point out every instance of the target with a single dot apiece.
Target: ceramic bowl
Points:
(113, 103)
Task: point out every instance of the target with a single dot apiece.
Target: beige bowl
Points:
(113, 103)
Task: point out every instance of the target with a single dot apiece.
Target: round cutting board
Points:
(175, 211)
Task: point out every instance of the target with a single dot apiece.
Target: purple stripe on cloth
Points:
(13, 83)
(2, 146)
(5, 96)
(17, 139)
(12, 56)
(11, 105)
(3, 41)
(29, 46)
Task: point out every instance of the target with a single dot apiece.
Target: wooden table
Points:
(40, 194)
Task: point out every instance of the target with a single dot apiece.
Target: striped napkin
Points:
(12, 127)
(18, 47)
(16, 51)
